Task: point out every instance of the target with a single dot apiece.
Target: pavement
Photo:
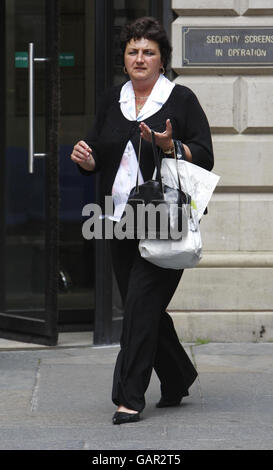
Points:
(60, 399)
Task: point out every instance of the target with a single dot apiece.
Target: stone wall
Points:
(234, 279)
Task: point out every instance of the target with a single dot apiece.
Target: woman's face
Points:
(142, 60)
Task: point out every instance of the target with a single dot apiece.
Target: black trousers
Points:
(148, 338)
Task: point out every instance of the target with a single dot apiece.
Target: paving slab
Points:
(60, 399)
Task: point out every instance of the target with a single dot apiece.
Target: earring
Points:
(124, 70)
(162, 70)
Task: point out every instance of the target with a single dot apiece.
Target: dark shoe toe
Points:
(121, 417)
(165, 403)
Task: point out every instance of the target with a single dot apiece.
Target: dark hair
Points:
(149, 28)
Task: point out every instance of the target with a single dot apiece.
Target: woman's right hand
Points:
(82, 154)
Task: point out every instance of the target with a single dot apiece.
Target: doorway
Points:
(51, 278)
(29, 170)
(76, 294)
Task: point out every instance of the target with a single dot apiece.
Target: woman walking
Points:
(148, 100)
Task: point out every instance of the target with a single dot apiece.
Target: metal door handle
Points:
(31, 61)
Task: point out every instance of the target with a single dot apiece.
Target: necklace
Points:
(140, 105)
(141, 97)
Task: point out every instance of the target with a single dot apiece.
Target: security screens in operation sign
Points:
(232, 46)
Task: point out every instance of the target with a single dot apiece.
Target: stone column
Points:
(229, 297)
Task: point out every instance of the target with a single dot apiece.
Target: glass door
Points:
(29, 169)
(76, 298)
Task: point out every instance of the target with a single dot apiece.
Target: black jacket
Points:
(111, 131)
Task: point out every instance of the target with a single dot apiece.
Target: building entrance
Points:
(58, 57)
(29, 170)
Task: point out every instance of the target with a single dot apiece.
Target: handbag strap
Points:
(156, 162)
(138, 163)
(176, 163)
(180, 152)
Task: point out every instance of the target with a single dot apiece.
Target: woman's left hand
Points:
(162, 139)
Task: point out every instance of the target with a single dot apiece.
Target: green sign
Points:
(21, 60)
(67, 59)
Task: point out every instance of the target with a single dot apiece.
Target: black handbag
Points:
(158, 210)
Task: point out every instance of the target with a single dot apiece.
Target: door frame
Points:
(3, 160)
(17, 327)
(103, 265)
(107, 329)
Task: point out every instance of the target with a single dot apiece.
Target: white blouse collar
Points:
(159, 95)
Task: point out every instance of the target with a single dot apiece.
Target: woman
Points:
(148, 100)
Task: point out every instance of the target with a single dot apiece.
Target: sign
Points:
(67, 59)
(21, 60)
(231, 46)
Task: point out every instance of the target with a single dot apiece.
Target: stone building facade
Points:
(229, 296)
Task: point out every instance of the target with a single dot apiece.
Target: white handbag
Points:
(174, 254)
(185, 252)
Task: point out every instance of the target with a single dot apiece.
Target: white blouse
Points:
(127, 173)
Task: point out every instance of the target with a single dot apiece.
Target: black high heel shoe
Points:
(121, 417)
